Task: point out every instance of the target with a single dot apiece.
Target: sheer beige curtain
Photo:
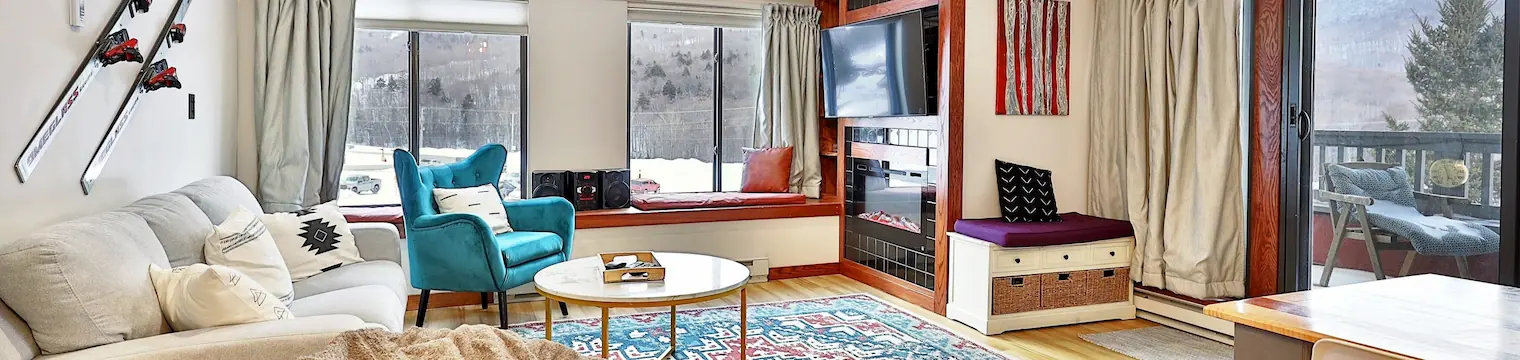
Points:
(788, 104)
(1165, 137)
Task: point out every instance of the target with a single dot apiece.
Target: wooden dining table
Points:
(1424, 316)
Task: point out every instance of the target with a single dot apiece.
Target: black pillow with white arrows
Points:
(1025, 194)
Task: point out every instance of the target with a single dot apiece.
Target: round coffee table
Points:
(689, 279)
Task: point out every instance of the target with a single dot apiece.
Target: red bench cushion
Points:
(711, 200)
(1072, 229)
(385, 214)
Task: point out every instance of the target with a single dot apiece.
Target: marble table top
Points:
(687, 276)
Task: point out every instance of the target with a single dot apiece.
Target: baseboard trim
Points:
(440, 299)
(801, 271)
(1198, 323)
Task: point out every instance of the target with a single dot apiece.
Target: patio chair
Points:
(1376, 203)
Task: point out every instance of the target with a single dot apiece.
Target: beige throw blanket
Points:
(466, 342)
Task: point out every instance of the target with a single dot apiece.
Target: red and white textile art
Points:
(1034, 38)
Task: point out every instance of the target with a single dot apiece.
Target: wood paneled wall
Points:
(1266, 162)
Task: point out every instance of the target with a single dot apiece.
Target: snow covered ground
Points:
(679, 175)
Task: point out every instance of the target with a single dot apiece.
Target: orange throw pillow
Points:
(767, 170)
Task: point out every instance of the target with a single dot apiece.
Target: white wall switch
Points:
(76, 17)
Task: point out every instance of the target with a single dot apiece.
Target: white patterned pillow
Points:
(480, 200)
(312, 240)
(243, 243)
(201, 296)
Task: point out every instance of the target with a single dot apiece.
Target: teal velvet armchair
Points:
(458, 252)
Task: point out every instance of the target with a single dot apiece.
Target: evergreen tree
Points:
(654, 70)
(435, 87)
(1456, 68)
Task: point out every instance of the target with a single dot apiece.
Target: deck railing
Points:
(1416, 151)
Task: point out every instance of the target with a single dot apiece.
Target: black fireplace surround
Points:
(891, 206)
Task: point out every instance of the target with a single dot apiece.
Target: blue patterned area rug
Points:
(846, 327)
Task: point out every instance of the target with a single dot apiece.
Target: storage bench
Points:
(1079, 275)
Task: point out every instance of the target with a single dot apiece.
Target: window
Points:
(440, 95)
(691, 105)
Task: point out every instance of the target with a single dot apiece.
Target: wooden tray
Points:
(656, 273)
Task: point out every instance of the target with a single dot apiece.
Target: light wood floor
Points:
(1062, 342)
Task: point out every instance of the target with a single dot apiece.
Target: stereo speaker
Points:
(585, 190)
(551, 183)
(616, 193)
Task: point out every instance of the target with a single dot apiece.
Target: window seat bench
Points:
(595, 219)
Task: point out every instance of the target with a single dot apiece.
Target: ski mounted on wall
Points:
(114, 45)
(155, 74)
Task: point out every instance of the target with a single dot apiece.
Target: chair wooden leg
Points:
(1462, 268)
(422, 307)
(1408, 264)
(1335, 249)
(564, 309)
(501, 308)
(485, 300)
(1372, 244)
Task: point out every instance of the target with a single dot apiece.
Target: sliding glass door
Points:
(1398, 118)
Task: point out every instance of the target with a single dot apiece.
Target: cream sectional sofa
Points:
(80, 289)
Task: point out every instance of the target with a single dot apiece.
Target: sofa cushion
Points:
(1073, 228)
(712, 200)
(280, 339)
(767, 170)
(84, 282)
(203, 296)
(383, 273)
(312, 240)
(15, 337)
(218, 196)
(1025, 194)
(520, 247)
(180, 226)
(372, 303)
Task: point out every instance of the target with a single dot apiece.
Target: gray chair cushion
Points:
(372, 303)
(1433, 235)
(218, 196)
(380, 272)
(181, 226)
(84, 282)
(1391, 184)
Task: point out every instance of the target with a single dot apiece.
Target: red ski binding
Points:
(122, 47)
(162, 79)
(177, 33)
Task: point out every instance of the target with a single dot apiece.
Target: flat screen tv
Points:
(876, 68)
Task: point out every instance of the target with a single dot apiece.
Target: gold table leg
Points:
(672, 353)
(548, 319)
(605, 324)
(743, 322)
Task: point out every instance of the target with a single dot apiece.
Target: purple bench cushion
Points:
(1072, 229)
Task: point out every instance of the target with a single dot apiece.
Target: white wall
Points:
(159, 151)
(1056, 143)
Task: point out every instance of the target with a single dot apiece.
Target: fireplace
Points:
(890, 202)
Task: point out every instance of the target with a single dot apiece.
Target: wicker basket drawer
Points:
(1015, 294)
(1108, 285)
(1064, 289)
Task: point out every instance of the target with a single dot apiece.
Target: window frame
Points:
(717, 150)
(414, 86)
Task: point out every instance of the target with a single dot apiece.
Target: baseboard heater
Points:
(1182, 315)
